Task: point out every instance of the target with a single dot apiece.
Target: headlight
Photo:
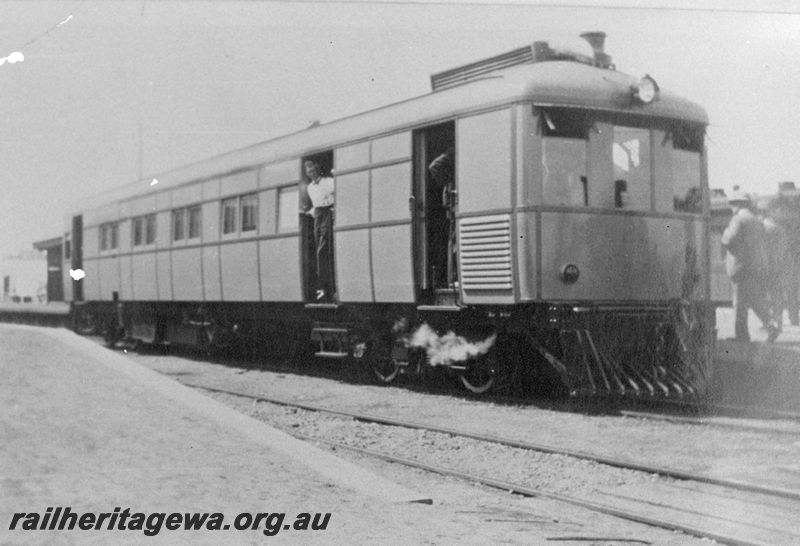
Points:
(646, 90)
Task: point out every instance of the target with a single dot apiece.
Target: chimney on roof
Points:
(597, 40)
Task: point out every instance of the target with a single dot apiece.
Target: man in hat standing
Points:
(746, 260)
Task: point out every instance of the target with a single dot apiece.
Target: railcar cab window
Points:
(144, 230)
(630, 153)
(109, 236)
(565, 137)
(685, 146)
(619, 161)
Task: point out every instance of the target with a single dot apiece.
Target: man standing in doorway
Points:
(745, 243)
(321, 193)
(443, 173)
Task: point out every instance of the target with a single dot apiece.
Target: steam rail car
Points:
(570, 242)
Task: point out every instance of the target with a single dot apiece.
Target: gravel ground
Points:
(767, 456)
(758, 455)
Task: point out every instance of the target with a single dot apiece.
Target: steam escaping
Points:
(449, 348)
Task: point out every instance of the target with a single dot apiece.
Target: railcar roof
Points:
(553, 83)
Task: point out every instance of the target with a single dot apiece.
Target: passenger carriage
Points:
(581, 221)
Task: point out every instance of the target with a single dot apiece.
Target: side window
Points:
(249, 206)
(195, 220)
(150, 229)
(178, 224)
(229, 209)
(103, 237)
(138, 231)
(144, 230)
(288, 209)
(109, 236)
(244, 207)
(186, 223)
(115, 235)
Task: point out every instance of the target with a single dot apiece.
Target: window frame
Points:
(579, 123)
(190, 232)
(230, 225)
(179, 224)
(137, 231)
(251, 205)
(108, 236)
(144, 230)
(233, 214)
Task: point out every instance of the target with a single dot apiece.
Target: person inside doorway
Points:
(443, 173)
(320, 191)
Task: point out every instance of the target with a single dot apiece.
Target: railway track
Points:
(727, 511)
(790, 425)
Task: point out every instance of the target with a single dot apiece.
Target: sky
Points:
(110, 92)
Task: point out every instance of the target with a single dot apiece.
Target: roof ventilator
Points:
(540, 51)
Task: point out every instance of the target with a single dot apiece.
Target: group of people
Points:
(762, 247)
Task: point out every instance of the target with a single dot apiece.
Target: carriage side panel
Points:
(240, 278)
(280, 269)
(391, 242)
(484, 171)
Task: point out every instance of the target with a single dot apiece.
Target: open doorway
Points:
(317, 192)
(435, 200)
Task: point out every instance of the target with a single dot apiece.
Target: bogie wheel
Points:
(86, 323)
(376, 353)
(216, 336)
(481, 373)
(385, 368)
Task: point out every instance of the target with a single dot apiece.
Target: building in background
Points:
(24, 277)
(55, 282)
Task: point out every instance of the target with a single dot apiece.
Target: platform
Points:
(758, 373)
(46, 314)
(87, 428)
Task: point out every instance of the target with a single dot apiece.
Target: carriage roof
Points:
(554, 83)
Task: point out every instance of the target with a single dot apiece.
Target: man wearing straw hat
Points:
(746, 259)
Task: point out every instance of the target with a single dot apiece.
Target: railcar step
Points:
(328, 330)
(450, 308)
(333, 306)
(330, 354)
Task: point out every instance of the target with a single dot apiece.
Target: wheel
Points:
(481, 374)
(385, 368)
(215, 335)
(86, 323)
(376, 354)
(111, 333)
